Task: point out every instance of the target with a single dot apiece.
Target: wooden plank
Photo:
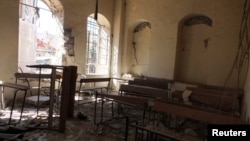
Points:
(143, 91)
(105, 83)
(35, 76)
(89, 80)
(149, 83)
(154, 79)
(129, 100)
(217, 92)
(219, 88)
(14, 86)
(196, 113)
(46, 66)
(215, 100)
(187, 111)
(168, 133)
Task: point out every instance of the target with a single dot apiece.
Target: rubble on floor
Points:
(82, 127)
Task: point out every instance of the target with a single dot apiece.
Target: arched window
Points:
(98, 47)
(39, 42)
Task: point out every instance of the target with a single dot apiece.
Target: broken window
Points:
(39, 42)
(98, 48)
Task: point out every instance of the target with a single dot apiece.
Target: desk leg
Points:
(38, 91)
(2, 98)
(13, 105)
(51, 102)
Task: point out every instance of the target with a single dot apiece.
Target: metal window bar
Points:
(97, 47)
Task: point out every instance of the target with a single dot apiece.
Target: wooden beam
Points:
(34, 75)
(129, 100)
(90, 80)
(196, 113)
(186, 111)
(168, 133)
(217, 92)
(143, 91)
(214, 98)
(160, 84)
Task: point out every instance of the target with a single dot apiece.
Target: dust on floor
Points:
(83, 127)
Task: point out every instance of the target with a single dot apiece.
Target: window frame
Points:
(98, 45)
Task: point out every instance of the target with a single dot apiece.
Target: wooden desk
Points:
(52, 86)
(69, 76)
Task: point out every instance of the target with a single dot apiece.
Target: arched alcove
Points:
(140, 47)
(192, 55)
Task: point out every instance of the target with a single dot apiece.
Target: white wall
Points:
(8, 40)
(75, 17)
(165, 16)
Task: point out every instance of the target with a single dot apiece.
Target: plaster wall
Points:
(75, 17)
(140, 59)
(165, 17)
(246, 104)
(117, 38)
(245, 44)
(8, 40)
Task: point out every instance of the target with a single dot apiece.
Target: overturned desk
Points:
(69, 76)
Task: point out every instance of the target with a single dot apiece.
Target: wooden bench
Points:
(91, 85)
(142, 103)
(225, 100)
(186, 111)
(16, 88)
(142, 91)
(153, 133)
(127, 92)
(135, 102)
(152, 82)
(198, 113)
(145, 98)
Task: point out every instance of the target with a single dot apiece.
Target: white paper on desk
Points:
(185, 96)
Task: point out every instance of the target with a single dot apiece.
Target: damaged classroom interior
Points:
(123, 70)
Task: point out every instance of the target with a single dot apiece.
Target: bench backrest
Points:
(94, 81)
(142, 91)
(218, 99)
(154, 83)
(34, 75)
(196, 113)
